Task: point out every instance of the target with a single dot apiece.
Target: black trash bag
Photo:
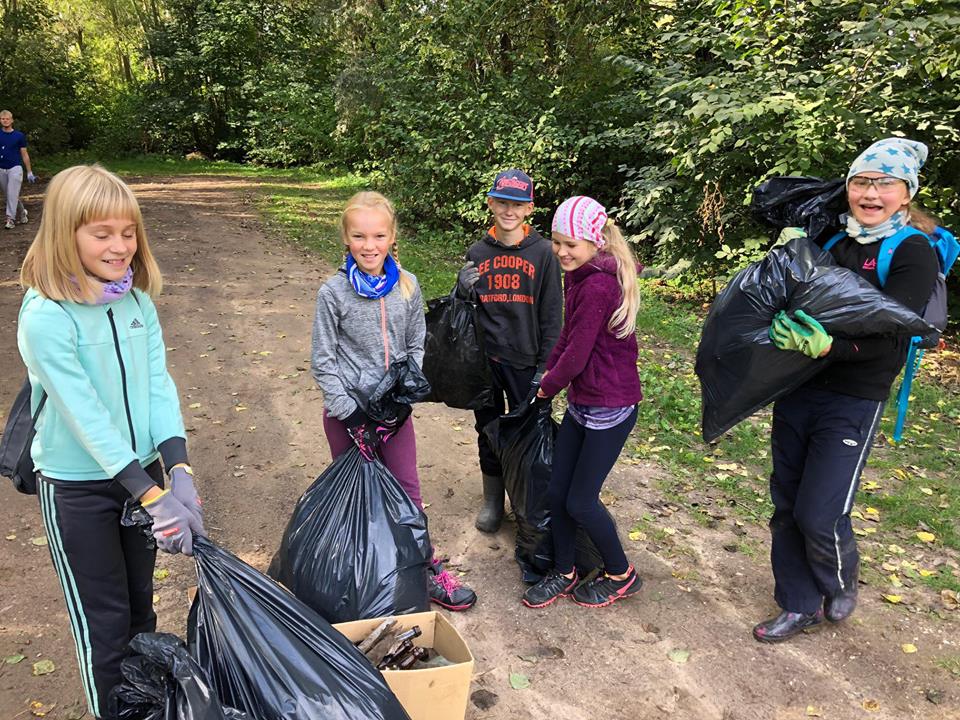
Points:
(798, 201)
(270, 656)
(356, 545)
(161, 681)
(739, 367)
(454, 360)
(403, 385)
(523, 441)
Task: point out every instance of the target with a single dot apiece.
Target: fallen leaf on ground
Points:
(43, 667)
(14, 659)
(813, 711)
(908, 648)
(926, 573)
(38, 541)
(636, 535)
(161, 574)
(193, 406)
(39, 709)
(519, 681)
(11, 536)
(870, 705)
(926, 537)
(949, 599)
(892, 598)
(926, 491)
(679, 656)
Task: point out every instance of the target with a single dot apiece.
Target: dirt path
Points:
(237, 311)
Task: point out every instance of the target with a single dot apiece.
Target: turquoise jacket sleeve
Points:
(49, 345)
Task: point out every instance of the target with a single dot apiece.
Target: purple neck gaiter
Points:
(115, 289)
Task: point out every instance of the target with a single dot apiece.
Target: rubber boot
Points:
(491, 514)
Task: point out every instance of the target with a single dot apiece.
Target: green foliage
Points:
(738, 91)
(39, 79)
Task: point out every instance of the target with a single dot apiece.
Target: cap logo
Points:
(509, 182)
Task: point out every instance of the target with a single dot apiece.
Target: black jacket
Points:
(520, 298)
(866, 367)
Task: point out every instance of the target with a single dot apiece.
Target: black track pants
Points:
(820, 441)
(106, 572)
(582, 459)
(515, 384)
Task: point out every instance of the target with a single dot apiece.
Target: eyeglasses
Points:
(884, 185)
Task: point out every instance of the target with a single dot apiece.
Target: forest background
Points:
(670, 112)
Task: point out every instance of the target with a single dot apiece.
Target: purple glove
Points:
(172, 524)
(181, 485)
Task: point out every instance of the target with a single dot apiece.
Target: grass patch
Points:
(912, 483)
(161, 165)
(950, 664)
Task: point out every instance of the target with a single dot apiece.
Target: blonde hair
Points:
(77, 196)
(922, 220)
(370, 200)
(623, 322)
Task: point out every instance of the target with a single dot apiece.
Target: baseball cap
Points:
(513, 185)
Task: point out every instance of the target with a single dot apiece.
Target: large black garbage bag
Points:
(161, 681)
(524, 441)
(270, 656)
(356, 545)
(739, 367)
(403, 385)
(454, 360)
(798, 201)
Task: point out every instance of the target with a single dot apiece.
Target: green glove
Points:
(788, 234)
(818, 342)
(786, 334)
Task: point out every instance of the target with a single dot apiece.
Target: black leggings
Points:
(582, 458)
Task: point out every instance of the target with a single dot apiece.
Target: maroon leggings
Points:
(399, 453)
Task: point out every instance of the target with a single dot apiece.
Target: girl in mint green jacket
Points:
(89, 335)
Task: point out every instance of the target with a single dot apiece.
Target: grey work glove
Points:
(172, 524)
(181, 485)
(466, 279)
(31, 178)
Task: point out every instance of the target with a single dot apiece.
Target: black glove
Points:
(362, 430)
(399, 413)
(466, 279)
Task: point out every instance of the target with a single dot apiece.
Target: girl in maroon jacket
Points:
(596, 356)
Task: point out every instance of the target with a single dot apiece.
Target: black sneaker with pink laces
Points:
(448, 591)
(605, 590)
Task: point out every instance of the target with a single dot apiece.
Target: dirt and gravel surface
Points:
(236, 312)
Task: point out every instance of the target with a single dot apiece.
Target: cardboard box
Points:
(439, 693)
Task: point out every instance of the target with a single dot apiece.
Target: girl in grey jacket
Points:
(370, 315)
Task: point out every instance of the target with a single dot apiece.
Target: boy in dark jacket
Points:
(515, 278)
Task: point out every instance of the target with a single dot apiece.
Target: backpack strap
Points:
(834, 240)
(889, 246)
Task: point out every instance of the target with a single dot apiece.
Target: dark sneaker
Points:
(786, 625)
(604, 590)
(553, 586)
(449, 592)
(840, 607)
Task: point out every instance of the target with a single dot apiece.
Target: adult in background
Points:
(13, 159)
(823, 431)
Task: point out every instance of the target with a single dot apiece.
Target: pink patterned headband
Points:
(581, 218)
